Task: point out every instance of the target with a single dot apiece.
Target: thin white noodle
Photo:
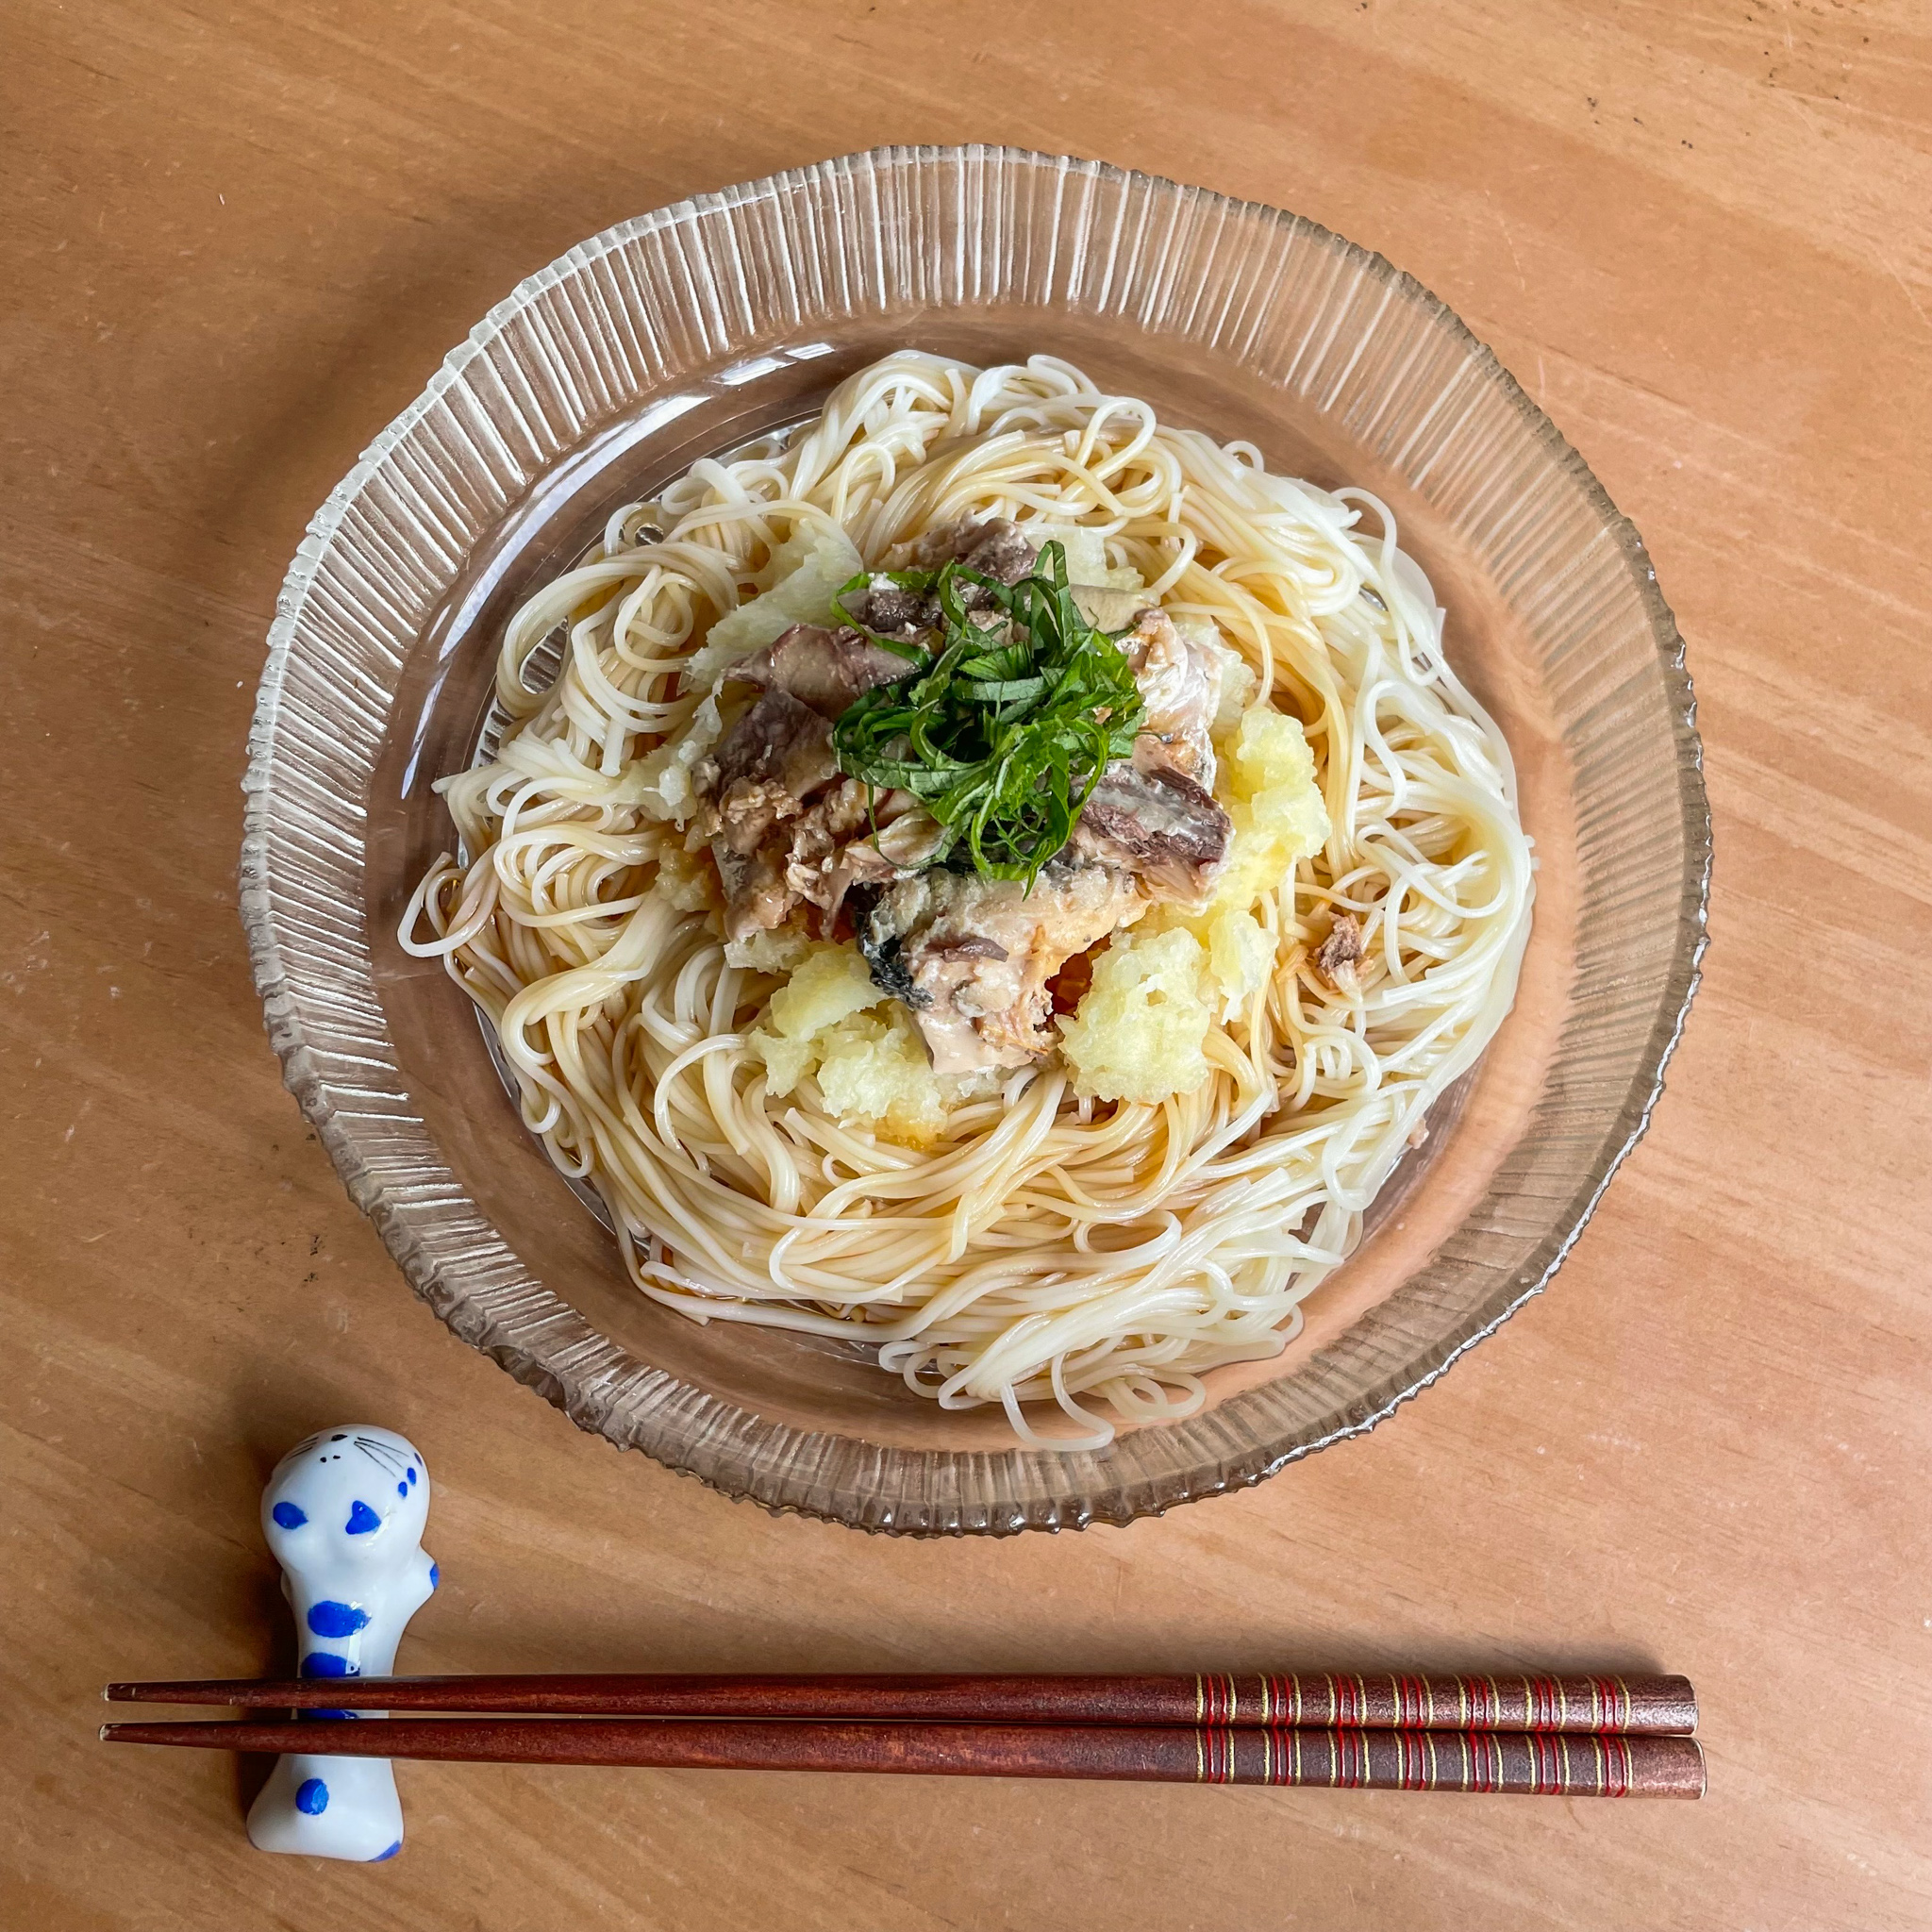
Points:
(1047, 1250)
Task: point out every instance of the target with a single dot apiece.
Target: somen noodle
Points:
(1036, 1246)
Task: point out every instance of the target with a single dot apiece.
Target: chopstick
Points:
(1549, 1763)
(1349, 1701)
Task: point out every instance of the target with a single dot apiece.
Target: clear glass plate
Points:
(683, 333)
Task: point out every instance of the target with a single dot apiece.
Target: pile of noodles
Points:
(1045, 1249)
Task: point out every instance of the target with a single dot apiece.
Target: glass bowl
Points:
(683, 333)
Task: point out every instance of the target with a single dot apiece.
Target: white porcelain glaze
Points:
(344, 1513)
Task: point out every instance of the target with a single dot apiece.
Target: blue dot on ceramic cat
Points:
(413, 1474)
(331, 1619)
(390, 1853)
(363, 1519)
(326, 1663)
(402, 1489)
(311, 1795)
(435, 1577)
(288, 1516)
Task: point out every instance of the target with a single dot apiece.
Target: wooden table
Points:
(240, 238)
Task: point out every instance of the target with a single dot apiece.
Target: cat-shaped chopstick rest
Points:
(344, 1514)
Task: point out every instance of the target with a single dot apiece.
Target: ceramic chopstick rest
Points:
(344, 1514)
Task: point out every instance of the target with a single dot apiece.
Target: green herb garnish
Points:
(1010, 721)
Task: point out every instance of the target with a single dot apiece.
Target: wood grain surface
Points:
(239, 239)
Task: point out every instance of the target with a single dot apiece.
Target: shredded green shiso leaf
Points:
(1010, 720)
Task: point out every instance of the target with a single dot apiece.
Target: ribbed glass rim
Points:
(312, 965)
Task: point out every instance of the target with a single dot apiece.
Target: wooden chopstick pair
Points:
(1574, 1736)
